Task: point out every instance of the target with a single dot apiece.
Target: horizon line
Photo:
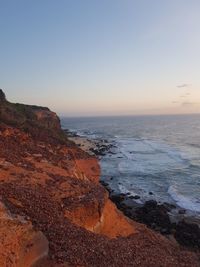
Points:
(130, 115)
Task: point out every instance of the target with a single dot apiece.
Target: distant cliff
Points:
(31, 118)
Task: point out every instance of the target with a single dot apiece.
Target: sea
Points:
(154, 157)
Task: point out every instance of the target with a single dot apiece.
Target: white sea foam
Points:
(123, 189)
(183, 201)
(152, 154)
(147, 156)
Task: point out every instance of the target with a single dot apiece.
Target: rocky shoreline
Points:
(95, 147)
(165, 218)
(53, 210)
(158, 217)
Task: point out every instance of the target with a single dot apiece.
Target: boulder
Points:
(188, 234)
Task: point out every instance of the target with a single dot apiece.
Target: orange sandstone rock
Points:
(20, 245)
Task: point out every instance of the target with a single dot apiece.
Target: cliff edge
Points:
(54, 212)
(30, 118)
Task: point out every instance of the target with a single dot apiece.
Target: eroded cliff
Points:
(52, 203)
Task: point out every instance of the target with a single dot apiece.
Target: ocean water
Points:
(151, 154)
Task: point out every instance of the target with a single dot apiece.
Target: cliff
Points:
(35, 119)
(54, 212)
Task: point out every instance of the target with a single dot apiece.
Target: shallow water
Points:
(158, 154)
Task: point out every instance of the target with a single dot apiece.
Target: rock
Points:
(188, 234)
(150, 204)
(21, 245)
(104, 183)
(117, 198)
(150, 193)
(182, 211)
(169, 206)
(112, 153)
(34, 119)
(98, 152)
(135, 197)
(164, 231)
(155, 216)
(2, 96)
(151, 213)
(69, 133)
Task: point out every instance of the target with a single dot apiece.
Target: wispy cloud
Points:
(187, 94)
(190, 104)
(184, 85)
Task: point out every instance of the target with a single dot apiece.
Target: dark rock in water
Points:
(188, 234)
(155, 216)
(117, 198)
(168, 206)
(150, 204)
(182, 211)
(98, 152)
(112, 153)
(164, 231)
(131, 206)
(102, 148)
(110, 191)
(135, 197)
(150, 193)
(104, 183)
(69, 133)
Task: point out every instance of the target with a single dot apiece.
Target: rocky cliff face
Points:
(30, 118)
(54, 212)
(2, 96)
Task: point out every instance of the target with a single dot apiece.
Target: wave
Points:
(149, 156)
(158, 154)
(183, 201)
(194, 145)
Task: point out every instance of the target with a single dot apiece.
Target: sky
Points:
(108, 57)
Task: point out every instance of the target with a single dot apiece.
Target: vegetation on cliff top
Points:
(30, 118)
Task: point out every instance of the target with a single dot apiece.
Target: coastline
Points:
(94, 147)
(53, 209)
(168, 219)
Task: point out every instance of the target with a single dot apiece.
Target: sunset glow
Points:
(102, 58)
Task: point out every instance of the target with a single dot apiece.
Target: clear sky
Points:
(102, 57)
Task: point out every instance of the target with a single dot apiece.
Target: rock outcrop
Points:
(20, 244)
(35, 119)
(52, 203)
(2, 96)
